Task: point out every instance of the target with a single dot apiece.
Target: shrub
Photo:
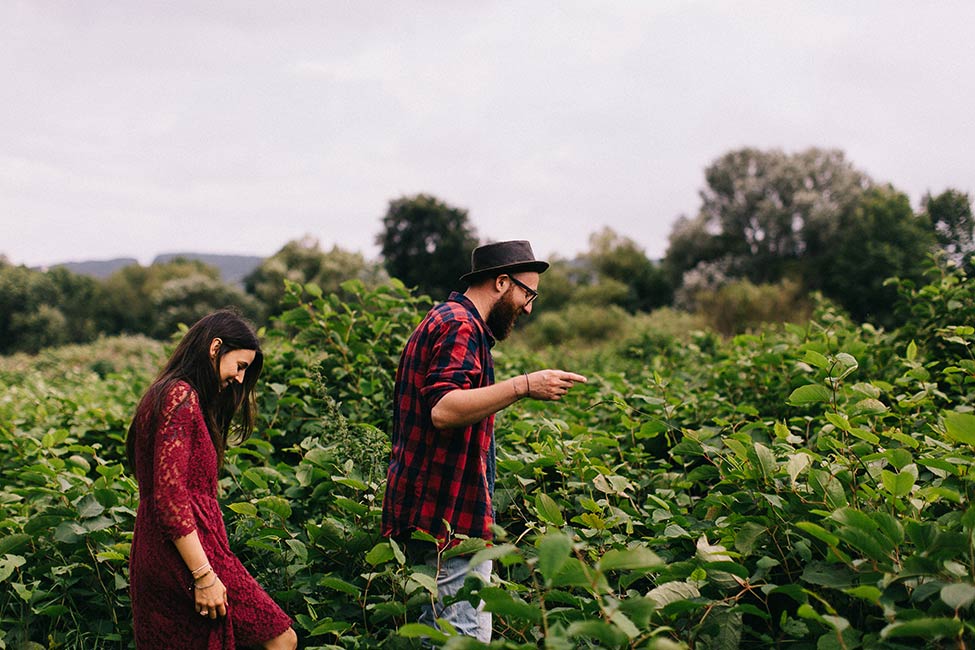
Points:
(803, 485)
(741, 306)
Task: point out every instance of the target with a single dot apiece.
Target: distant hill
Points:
(98, 268)
(233, 268)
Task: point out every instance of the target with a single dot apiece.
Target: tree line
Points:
(771, 228)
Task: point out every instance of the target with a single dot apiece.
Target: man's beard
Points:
(503, 315)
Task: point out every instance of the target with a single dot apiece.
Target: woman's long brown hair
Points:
(191, 362)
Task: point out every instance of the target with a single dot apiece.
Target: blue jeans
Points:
(468, 620)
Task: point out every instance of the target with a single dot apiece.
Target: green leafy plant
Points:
(804, 486)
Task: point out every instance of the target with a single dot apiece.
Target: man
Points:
(443, 455)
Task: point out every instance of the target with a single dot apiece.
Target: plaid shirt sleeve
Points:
(454, 362)
(440, 475)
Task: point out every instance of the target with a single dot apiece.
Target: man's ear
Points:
(500, 282)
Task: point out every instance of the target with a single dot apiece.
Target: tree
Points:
(621, 259)
(765, 213)
(81, 300)
(44, 308)
(303, 261)
(426, 243)
(130, 305)
(950, 214)
(877, 238)
(26, 320)
(559, 285)
(188, 298)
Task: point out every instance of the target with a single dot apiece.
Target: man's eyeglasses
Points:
(531, 293)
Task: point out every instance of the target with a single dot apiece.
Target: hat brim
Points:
(536, 266)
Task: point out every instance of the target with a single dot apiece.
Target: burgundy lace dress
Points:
(177, 474)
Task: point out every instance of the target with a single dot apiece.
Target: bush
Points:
(657, 332)
(741, 306)
(805, 485)
(575, 325)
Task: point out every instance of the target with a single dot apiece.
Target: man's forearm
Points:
(463, 407)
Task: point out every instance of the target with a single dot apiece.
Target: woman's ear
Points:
(214, 347)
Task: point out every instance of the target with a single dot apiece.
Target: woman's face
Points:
(233, 365)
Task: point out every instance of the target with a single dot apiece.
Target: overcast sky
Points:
(137, 128)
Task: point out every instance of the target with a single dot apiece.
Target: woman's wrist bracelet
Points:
(528, 386)
(212, 582)
(202, 575)
(200, 571)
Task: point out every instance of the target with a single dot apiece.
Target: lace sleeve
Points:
(172, 457)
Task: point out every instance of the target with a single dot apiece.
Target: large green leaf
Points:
(419, 631)
(828, 487)
(635, 558)
(8, 564)
(380, 553)
(925, 628)
(890, 527)
(548, 511)
(575, 574)
(766, 460)
(845, 364)
(797, 464)
(89, 507)
(867, 542)
(828, 575)
(12, 543)
(465, 547)
(816, 359)
(606, 634)
(278, 505)
(333, 582)
(244, 508)
(868, 406)
(868, 593)
(809, 394)
(623, 622)
(671, 592)
(900, 484)
(507, 553)
(329, 627)
(855, 518)
(818, 532)
(428, 582)
(960, 427)
(500, 602)
(553, 552)
(748, 536)
(958, 596)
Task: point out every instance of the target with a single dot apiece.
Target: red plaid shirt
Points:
(436, 475)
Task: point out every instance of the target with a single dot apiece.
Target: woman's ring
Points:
(203, 612)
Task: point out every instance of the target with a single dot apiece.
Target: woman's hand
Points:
(210, 596)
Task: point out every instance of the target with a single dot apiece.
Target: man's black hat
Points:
(503, 257)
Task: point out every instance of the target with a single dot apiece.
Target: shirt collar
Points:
(458, 297)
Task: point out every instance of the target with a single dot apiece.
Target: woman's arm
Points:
(171, 498)
(208, 591)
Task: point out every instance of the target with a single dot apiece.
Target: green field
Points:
(803, 486)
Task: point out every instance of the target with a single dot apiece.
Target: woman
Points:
(188, 590)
